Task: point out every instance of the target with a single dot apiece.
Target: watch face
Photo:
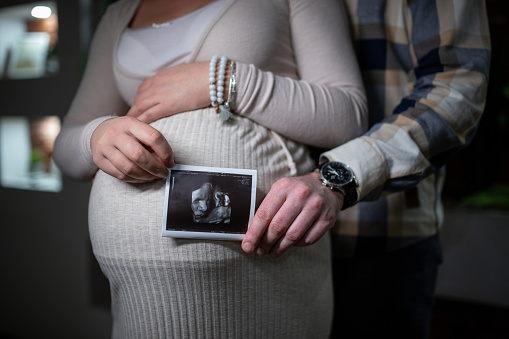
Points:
(336, 173)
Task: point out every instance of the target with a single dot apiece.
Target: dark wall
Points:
(484, 165)
(49, 278)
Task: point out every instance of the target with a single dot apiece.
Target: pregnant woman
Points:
(144, 105)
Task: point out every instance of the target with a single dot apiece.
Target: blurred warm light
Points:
(41, 12)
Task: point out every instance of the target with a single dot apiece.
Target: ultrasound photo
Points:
(208, 202)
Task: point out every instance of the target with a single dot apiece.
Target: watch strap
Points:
(350, 194)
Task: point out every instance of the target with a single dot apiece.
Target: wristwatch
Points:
(339, 176)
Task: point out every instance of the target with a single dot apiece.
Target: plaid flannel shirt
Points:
(425, 65)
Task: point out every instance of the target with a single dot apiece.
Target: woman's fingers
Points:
(150, 114)
(152, 141)
(131, 150)
(170, 91)
(109, 168)
(144, 100)
(134, 160)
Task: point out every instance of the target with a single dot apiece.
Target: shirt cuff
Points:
(365, 162)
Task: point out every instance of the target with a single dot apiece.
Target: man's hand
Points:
(131, 150)
(296, 212)
(173, 90)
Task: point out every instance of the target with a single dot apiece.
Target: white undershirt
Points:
(151, 49)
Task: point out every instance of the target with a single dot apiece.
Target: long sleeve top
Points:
(296, 74)
(298, 82)
(425, 66)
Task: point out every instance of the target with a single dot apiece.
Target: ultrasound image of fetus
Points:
(210, 205)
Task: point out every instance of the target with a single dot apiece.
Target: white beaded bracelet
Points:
(212, 80)
(216, 86)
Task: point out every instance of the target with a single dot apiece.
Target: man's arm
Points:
(439, 116)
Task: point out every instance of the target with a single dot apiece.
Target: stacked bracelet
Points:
(216, 87)
(232, 88)
(212, 80)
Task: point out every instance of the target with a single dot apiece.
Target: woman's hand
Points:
(296, 212)
(173, 90)
(131, 150)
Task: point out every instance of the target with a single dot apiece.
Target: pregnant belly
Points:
(126, 219)
(200, 138)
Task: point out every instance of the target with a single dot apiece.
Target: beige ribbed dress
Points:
(179, 288)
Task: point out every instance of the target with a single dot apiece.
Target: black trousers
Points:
(389, 294)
